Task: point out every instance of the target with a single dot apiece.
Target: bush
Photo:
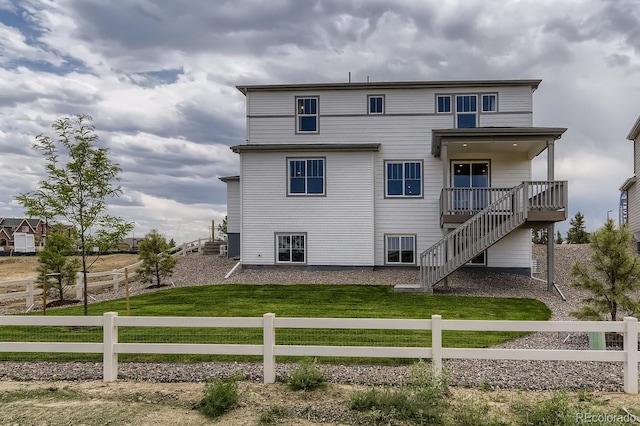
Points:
(272, 415)
(421, 399)
(307, 376)
(220, 396)
(552, 411)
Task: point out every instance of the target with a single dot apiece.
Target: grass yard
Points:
(323, 301)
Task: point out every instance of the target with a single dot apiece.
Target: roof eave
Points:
(485, 132)
(628, 183)
(244, 89)
(353, 147)
(635, 130)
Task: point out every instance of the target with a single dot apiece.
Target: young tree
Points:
(79, 179)
(56, 261)
(222, 228)
(611, 277)
(157, 263)
(559, 239)
(539, 236)
(577, 234)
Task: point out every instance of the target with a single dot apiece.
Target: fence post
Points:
(184, 249)
(631, 355)
(29, 292)
(436, 343)
(79, 292)
(199, 246)
(115, 278)
(110, 356)
(269, 342)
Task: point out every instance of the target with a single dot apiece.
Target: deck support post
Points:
(551, 227)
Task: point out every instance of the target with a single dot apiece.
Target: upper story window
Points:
(466, 111)
(25, 229)
(306, 176)
(307, 115)
(404, 179)
(490, 103)
(376, 104)
(444, 103)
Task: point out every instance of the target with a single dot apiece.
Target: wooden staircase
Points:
(532, 202)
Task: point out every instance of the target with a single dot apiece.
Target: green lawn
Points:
(328, 301)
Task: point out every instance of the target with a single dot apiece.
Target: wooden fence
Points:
(269, 349)
(27, 289)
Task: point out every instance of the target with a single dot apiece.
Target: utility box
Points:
(24, 243)
(597, 341)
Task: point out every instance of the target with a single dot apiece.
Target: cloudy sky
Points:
(159, 80)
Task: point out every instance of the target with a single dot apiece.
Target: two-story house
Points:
(10, 226)
(630, 193)
(435, 174)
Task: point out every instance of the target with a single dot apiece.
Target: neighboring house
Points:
(435, 174)
(10, 226)
(630, 193)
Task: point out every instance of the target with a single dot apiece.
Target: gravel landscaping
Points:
(201, 270)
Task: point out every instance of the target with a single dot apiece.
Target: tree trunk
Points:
(158, 273)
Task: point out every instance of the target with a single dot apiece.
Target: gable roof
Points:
(635, 130)
(379, 85)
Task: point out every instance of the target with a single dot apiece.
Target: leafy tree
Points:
(172, 243)
(222, 228)
(559, 239)
(611, 277)
(80, 178)
(157, 263)
(55, 260)
(577, 234)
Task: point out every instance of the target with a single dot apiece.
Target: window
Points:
(444, 103)
(489, 103)
(466, 111)
(25, 229)
(401, 249)
(307, 115)
(306, 176)
(404, 179)
(290, 248)
(376, 104)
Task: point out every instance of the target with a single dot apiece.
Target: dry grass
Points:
(18, 267)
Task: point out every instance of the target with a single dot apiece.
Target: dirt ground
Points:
(18, 267)
(139, 403)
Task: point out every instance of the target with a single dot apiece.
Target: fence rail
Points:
(26, 287)
(269, 349)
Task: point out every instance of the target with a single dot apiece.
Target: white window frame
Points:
(404, 165)
(450, 104)
(300, 113)
(401, 238)
(495, 103)
(369, 97)
(475, 113)
(291, 235)
(306, 177)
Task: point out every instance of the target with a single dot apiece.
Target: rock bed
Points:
(201, 270)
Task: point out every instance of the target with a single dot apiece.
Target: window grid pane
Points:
(307, 114)
(306, 176)
(401, 249)
(291, 248)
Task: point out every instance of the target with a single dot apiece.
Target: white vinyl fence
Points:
(269, 349)
(26, 288)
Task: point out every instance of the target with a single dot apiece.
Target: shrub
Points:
(220, 396)
(552, 411)
(272, 415)
(421, 399)
(307, 376)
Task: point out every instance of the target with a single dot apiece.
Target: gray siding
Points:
(233, 206)
(339, 226)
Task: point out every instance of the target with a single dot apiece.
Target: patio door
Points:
(470, 180)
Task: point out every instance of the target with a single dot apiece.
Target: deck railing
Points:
(497, 213)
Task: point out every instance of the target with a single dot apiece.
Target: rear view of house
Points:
(430, 174)
(629, 191)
